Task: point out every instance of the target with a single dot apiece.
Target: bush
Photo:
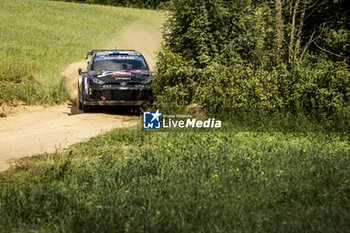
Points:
(222, 55)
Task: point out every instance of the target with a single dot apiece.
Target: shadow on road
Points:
(113, 110)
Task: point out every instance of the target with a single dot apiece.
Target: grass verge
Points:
(130, 180)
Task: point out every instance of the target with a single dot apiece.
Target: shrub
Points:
(222, 55)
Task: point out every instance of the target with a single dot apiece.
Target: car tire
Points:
(79, 103)
(86, 108)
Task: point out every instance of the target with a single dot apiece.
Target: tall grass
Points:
(145, 181)
(39, 38)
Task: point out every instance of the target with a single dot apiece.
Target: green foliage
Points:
(224, 55)
(141, 181)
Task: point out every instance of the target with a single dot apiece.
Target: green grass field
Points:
(39, 38)
(131, 180)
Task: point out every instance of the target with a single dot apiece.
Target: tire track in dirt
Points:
(39, 129)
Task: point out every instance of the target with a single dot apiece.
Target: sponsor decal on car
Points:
(122, 78)
(118, 58)
(122, 74)
(114, 74)
(106, 73)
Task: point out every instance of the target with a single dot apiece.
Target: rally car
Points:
(114, 77)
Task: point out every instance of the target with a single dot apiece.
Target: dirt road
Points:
(40, 129)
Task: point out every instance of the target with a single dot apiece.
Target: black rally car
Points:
(114, 77)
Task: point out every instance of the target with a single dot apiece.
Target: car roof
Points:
(100, 53)
(129, 53)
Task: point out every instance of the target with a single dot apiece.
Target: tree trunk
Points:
(300, 30)
(292, 32)
(279, 33)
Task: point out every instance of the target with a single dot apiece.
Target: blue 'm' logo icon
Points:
(151, 120)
